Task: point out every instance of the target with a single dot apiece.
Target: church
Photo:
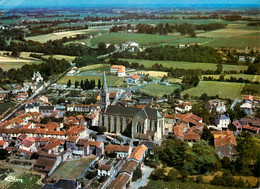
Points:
(130, 121)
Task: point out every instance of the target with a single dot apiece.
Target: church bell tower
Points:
(104, 95)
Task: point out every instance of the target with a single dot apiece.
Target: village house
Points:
(82, 108)
(27, 147)
(105, 170)
(73, 71)
(139, 153)
(183, 107)
(216, 105)
(122, 152)
(3, 144)
(222, 122)
(32, 107)
(225, 143)
(118, 70)
(37, 77)
(93, 147)
(132, 79)
(63, 184)
(122, 181)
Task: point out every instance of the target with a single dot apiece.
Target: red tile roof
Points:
(116, 148)
(105, 167)
(92, 143)
(134, 77)
(2, 143)
(249, 97)
(227, 138)
(138, 152)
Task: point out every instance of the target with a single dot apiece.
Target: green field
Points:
(252, 78)
(71, 169)
(212, 88)
(252, 86)
(60, 35)
(7, 62)
(19, 179)
(189, 41)
(234, 35)
(59, 57)
(111, 80)
(157, 90)
(96, 67)
(142, 39)
(186, 65)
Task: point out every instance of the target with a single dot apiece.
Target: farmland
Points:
(71, 169)
(16, 179)
(213, 88)
(234, 35)
(7, 63)
(60, 35)
(252, 78)
(60, 57)
(150, 73)
(142, 39)
(186, 65)
(96, 67)
(157, 90)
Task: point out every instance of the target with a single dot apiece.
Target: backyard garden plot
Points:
(142, 39)
(19, 179)
(7, 63)
(213, 88)
(71, 169)
(157, 90)
(187, 65)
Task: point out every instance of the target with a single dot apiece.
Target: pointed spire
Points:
(104, 81)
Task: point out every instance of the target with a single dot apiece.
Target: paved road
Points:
(146, 172)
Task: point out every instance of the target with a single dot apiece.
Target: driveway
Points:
(146, 172)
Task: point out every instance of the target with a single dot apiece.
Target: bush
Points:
(137, 174)
(199, 179)
(101, 130)
(173, 174)
(158, 174)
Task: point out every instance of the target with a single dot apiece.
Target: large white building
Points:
(118, 70)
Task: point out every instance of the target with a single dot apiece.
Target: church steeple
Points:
(104, 81)
(104, 95)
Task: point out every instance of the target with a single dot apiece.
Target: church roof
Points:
(132, 111)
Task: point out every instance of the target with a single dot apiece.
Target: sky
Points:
(96, 3)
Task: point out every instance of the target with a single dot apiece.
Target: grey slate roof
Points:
(131, 112)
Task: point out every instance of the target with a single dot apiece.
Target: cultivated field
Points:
(252, 78)
(60, 57)
(60, 35)
(212, 88)
(111, 80)
(94, 67)
(234, 35)
(19, 179)
(142, 39)
(186, 65)
(25, 55)
(150, 73)
(71, 169)
(7, 63)
(157, 90)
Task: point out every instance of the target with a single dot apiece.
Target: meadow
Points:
(233, 36)
(252, 78)
(186, 65)
(7, 63)
(60, 35)
(94, 67)
(60, 57)
(142, 39)
(213, 88)
(71, 169)
(157, 90)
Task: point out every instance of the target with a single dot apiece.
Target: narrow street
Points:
(146, 172)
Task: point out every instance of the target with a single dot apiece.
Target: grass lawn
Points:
(186, 65)
(142, 39)
(5, 106)
(157, 90)
(111, 80)
(59, 57)
(7, 63)
(71, 169)
(212, 88)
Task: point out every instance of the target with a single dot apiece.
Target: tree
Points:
(219, 68)
(102, 48)
(101, 130)
(137, 174)
(247, 154)
(128, 141)
(172, 175)
(76, 84)
(3, 154)
(120, 139)
(206, 135)
(93, 135)
(69, 84)
(99, 84)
